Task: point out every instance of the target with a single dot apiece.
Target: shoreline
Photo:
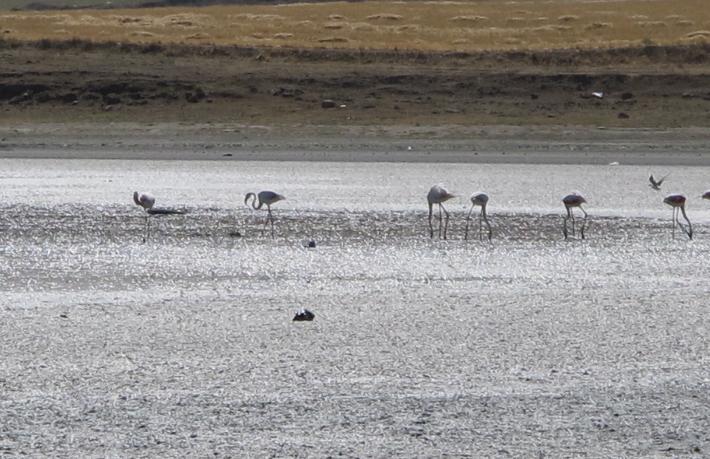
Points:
(442, 144)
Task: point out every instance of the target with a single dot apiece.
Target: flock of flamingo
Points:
(438, 195)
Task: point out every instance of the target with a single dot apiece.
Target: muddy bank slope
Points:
(82, 82)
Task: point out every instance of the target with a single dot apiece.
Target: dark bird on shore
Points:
(438, 195)
(571, 201)
(706, 195)
(479, 198)
(304, 315)
(264, 197)
(656, 184)
(677, 202)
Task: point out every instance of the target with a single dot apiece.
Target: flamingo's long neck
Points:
(254, 200)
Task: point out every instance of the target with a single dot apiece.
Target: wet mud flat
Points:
(235, 142)
(184, 345)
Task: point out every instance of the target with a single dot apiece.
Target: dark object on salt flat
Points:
(304, 315)
(161, 211)
(311, 244)
(235, 234)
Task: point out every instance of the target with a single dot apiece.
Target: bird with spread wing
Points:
(656, 184)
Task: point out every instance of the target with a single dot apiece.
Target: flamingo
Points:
(570, 201)
(706, 195)
(146, 201)
(268, 198)
(677, 201)
(479, 199)
(656, 184)
(438, 195)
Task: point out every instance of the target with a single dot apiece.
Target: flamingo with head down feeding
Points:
(264, 198)
(480, 199)
(571, 201)
(438, 195)
(677, 202)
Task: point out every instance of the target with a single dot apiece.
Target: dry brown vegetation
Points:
(379, 63)
(418, 25)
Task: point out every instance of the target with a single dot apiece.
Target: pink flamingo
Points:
(146, 201)
(677, 202)
(479, 199)
(438, 195)
(571, 201)
(268, 198)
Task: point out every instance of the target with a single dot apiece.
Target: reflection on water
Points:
(404, 325)
(72, 224)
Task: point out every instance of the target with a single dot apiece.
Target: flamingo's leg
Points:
(468, 220)
(271, 218)
(584, 221)
(673, 220)
(446, 224)
(431, 227)
(572, 217)
(266, 222)
(480, 226)
(488, 224)
(441, 221)
(146, 231)
(564, 227)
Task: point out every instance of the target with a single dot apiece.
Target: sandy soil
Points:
(83, 100)
(79, 82)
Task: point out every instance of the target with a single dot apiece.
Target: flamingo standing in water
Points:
(677, 202)
(268, 198)
(438, 195)
(479, 199)
(146, 201)
(571, 201)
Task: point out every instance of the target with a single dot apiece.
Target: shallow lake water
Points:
(184, 345)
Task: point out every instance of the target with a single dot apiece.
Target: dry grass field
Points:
(369, 63)
(418, 25)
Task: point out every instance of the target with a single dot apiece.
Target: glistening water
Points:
(184, 346)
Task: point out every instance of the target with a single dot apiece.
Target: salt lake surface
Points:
(184, 346)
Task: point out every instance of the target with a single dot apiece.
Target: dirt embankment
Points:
(77, 81)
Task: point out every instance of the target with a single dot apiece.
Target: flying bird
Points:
(571, 201)
(479, 199)
(438, 195)
(656, 184)
(264, 198)
(677, 202)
